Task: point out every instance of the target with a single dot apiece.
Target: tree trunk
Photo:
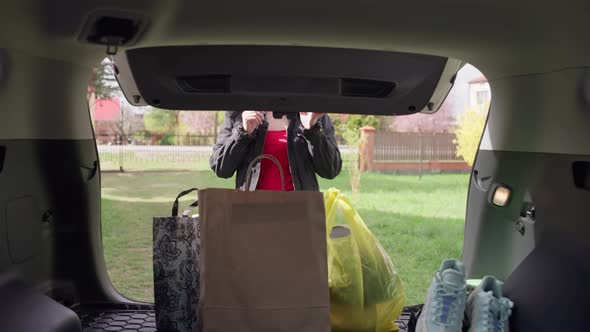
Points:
(215, 132)
(177, 134)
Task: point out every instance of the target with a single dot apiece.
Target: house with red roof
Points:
(105, 114)
(113, 120)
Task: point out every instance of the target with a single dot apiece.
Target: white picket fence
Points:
(160, 157)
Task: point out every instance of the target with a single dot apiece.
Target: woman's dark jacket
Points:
(310, 151)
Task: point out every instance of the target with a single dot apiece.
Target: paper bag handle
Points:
(183, 193)
(256, 160)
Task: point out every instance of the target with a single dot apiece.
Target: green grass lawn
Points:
(419, 222)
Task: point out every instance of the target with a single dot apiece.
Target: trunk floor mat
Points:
(142, 318)
(117, 317)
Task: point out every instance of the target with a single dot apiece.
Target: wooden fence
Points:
(392, 146)
(410, 152)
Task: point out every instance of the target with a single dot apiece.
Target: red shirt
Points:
(275, 144)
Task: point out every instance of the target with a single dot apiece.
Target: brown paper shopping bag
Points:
(263, 261)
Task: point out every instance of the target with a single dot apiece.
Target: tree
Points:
(469, 131)
(344, 123)
(440, 122)
(357, 121)
(128, 124)
(103, 83)
(161, 122)
(219, 118)
(199, 121)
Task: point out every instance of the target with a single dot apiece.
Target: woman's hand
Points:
(251, 120)
(309, 119)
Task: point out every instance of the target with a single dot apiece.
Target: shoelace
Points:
(443, 291)
(495, 312)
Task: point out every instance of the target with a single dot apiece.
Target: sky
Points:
(460, 90)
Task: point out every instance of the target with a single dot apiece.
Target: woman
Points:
(304, 145)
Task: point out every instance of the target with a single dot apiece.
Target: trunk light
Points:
(501, 196)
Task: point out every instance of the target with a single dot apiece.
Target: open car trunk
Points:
(53, 257)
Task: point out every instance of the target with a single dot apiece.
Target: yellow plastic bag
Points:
(366, 293)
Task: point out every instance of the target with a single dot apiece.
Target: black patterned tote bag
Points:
(176, 269)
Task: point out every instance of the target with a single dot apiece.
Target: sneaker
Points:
(445, 305)
(487, 310)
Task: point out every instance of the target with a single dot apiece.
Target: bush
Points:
(167, 140)
(468, 132)
(349, 129)
(350, 132)
(356, 121)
